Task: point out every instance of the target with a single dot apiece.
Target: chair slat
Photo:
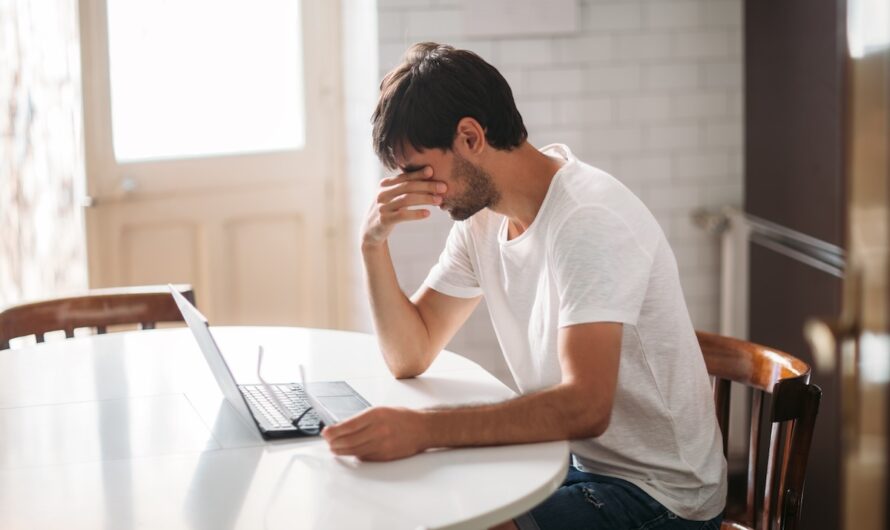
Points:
(769, 496)
(786, 430)
(802, 410)
(722, 388)
(753, 451)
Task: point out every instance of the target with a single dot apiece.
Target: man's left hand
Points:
(379, 434)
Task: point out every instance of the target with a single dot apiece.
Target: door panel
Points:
(140, 243)
(274, 250)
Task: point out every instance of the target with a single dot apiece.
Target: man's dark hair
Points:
(423, 99)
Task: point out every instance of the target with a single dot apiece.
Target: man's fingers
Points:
(374, 457)
(346, 428)
(342, 431)
(403, 188)
(421, 174)
(382, 215)
(401, 209)
(352, 444)
(414, 199)
(406, 214)
(389, 436)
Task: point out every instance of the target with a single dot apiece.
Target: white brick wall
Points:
(650, 90)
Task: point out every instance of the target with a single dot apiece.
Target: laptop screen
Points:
(224, 378)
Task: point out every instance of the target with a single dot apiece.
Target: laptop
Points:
(277, 410)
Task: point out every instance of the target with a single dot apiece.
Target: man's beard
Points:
(479, 191)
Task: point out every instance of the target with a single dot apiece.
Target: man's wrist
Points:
(370, 246)
(426, 429)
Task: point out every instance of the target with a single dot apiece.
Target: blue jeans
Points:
(596, 502)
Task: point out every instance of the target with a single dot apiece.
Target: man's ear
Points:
(470, 138)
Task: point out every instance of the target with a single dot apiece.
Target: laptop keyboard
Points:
(291, 396)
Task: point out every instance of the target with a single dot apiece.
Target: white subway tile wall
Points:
(649, 90)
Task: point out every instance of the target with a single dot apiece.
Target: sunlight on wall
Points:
(42, 249)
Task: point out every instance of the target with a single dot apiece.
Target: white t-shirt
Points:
(594, 253)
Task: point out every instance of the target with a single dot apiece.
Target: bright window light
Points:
(868, 27)
(192, 78)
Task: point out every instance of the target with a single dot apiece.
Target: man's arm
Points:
(579, 407)
(410, 332)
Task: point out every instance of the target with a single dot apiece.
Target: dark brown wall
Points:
(794, 163)
(794, 101)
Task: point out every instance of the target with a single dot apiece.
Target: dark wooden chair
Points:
(775, 486)
(97, 309)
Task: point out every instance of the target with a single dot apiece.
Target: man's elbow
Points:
(405, 373)
(592, 422)
(597, 426)
(407, 370)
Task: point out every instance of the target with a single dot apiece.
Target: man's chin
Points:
(459, 215)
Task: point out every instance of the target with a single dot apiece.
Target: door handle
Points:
(835, 346)
(128, 185)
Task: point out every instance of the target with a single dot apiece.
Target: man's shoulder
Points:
(587, 190)
(592, 203)
(581, 184)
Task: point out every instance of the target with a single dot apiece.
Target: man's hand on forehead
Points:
(397, 201)
(409, 173)
(416, 187)
(426, 170)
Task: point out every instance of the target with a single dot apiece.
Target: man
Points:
(583, 292)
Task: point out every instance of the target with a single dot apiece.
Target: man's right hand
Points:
(411, 332)
(392, 206)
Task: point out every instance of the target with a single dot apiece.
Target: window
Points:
(193, 78)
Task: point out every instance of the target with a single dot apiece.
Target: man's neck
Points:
(522, 177)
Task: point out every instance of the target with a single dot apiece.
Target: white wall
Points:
(649, 90)
(359, 41)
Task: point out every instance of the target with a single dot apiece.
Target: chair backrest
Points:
(795, 403)
(97, 309)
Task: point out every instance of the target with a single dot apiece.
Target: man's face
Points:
(470, 188)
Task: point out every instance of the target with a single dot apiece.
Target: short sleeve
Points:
(454, 274)
(601, 270)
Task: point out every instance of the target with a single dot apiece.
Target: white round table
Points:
(130, 430)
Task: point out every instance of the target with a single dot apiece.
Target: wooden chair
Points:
(98, 309)
(773, 499)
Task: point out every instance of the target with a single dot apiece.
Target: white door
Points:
(211, 135)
